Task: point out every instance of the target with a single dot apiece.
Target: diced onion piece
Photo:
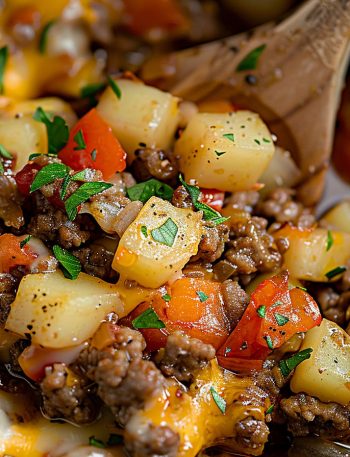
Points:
(143, 114)
(338, 218)
(149, 262)
(281, 171)
(326, 374)
(225, 151)
(57, 312)
(308, 258)
(21, 137)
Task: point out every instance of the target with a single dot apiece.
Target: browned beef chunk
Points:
(8, 287)
(251, 248)
(244, 200)
(72, 399)
(154, 163)
(308, 415)
(10, 203)
(280, 206)
(181, 198)
(183, 356)
(235, 301)
(212, 244)
(96, 261)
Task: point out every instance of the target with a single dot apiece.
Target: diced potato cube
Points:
(158, 244)
(225, 151)
(57, 312)
(143, 114)
(312, 253)
(326, 374)
(339, 217)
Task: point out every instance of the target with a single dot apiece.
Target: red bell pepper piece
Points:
(213, 198)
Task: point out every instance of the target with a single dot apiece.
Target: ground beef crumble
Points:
(212, 244)
(154, 163)
(96, 261)
(235, 301)
(183, 356)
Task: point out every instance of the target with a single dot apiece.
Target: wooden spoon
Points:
(295, 86)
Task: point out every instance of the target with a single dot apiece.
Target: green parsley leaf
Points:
(280, 319)
(227, 350)
(302, 288)
(48, 174)
(81, 175)
(229, 136)
(166, 233)
(114, 439)
(335, 272)
(330, 240)
(202, 296)
(209, 214)
(148, 319)
(93, 154)
(269, 409)
(257, 141)
(5, 153)
(115, 88)
(288, 365)
(97, 443)
(3, 61)
(276, 303)
(261, 311)
(143, 191)
(220, 153)
(91, 90)
(70, 265)
(25, 241)
(67, 179)
(144, 231)
(2, 169)
(32, 156)
(79, 139)
(269, 342)
(250, 61)
(266, 140)
(166, 297)
(81, 195)
(220, 402)
(44, 36)
(57, 130)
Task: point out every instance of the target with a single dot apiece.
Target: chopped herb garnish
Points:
(91, 90)
(335, 272)
(250, 61)
(114, 439)
(261, 311)
(143, 191)
(288, 365)
(266, 140)
(66, 180)
(144, 231)
(57, 130)
(220, 402)
(202, 296)
(79, 139)
(277, 303)
(257, 141)
(227, 350)
(229, 136)
(148, 319)
(268, 341)
(166, 233)
(81, 175)
(93, 154)
(44, 36)
(3, 61)
(220, 153)
(48, 174)
(70, 265)
(302, 288)
(280, 319)
(25, 241)
(5, 153)
(115, 88)
(97, 443)
(32, 156)
(2, 170)
(166, 297)
(209, 214)
(81, 195)
(270, 409)
(330, 240)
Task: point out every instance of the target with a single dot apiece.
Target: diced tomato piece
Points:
(195, 306)
(213, 198)
(142, 17)
(101, 151)
(241, 366)
(11, 253)
(25, 177)
(272, 317)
